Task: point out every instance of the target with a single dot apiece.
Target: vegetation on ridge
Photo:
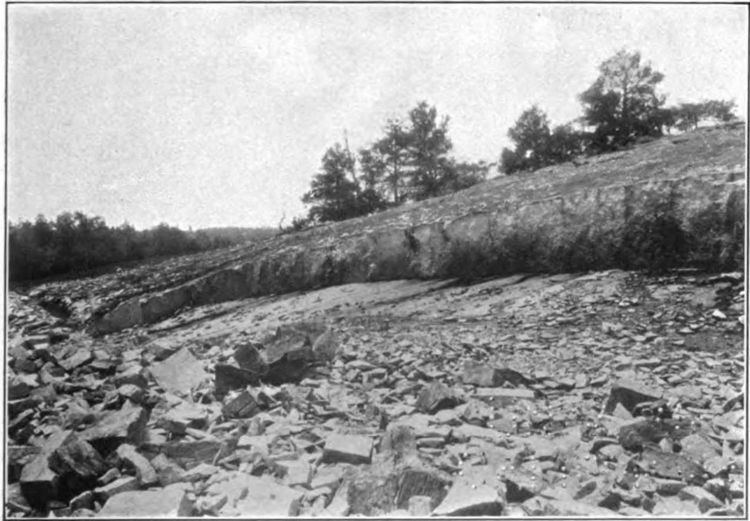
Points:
(411, 161)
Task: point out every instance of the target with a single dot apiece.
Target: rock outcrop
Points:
(698, 179)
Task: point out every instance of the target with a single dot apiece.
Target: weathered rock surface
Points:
(413, 242)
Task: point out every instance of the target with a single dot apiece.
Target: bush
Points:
(654, 241)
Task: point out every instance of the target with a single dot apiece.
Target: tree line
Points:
(412, 161)
(75, 242)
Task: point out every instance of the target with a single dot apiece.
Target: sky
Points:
(218, 115)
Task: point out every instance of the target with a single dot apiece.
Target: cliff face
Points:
(698, 177)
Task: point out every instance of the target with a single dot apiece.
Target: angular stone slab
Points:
(118, 486)
(185, 453)
(502, 396)
(470, 499)
(372, 491)
(178, 373)
(77, 359)
(699, 448)
(241, 406)
(668, 465)
(346, 448)
(127, 424)
(77, 457)
(183, 416)
(143, 470)
(421, 482)
(171, 501)
(436, 396)
(228, 378)
(636, 435)
(483, 375)
(701, 497)
(265, 498)
(249, 358)
(39, 482)
(630, 393)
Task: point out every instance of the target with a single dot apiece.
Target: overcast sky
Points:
(211, 115)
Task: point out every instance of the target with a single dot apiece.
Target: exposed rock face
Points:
(554, 207)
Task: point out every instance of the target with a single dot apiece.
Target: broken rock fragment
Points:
(470, 499)
(251, 496)
(242, 405)
(372, 491)
(630, 393)
(249, 358)
(636, 435)
(668, 465)
(170, 501)
(179, 372)
(126, 425)
(39, 483)
(118, 486)
(436, 396)
(700, 496)
(347, 448)
(228, 378)
(484, 375)
(421, 482)
(143, 470)
(77, 462)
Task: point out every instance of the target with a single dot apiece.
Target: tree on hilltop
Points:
(428, 148)
(623, 103)
(332, 194)
(387, 160)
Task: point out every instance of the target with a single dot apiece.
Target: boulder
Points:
(630, 393)
(483, 375)
(115, 427)
(636, 435)
(421, 482)
(347, 448)
(436, 396)
(39, 483)
(470, 499)
(668, 465)
(118, 486)
(228, 377)
(242, 405)
(259, 497)
(143, 470)
(179, 372)
(249, 358)
(170, 501)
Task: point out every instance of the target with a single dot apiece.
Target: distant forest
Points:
(76, 243)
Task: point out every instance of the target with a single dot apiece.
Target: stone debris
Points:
(342, 448)
(468, 498)
(179, 372)
(143, 470)
(171, 501)
(593, 404)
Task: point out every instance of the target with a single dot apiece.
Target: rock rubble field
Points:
(600, 394)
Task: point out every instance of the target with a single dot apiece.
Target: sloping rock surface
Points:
(597, 197)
